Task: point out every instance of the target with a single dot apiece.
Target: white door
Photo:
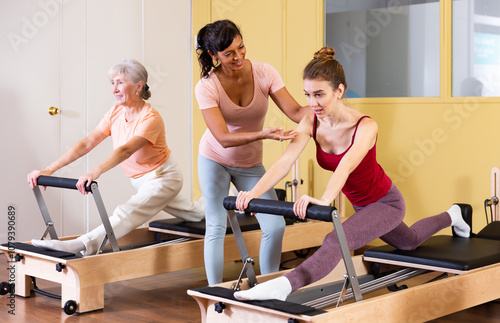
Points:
(58, 54)
(29, 85)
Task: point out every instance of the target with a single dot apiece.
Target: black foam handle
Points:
(61, 182)
(316, 212)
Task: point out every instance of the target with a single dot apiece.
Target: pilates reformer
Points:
(165, 246)
(458, 273)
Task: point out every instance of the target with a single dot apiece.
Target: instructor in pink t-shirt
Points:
(138, 136)
(233, 97)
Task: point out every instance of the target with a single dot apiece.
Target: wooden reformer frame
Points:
(444, 291)
(416, 304)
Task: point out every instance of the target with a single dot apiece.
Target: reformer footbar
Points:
(317, 212)
(69, 183)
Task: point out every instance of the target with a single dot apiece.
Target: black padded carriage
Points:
(247, 223)
(451, 252)
(51, 253)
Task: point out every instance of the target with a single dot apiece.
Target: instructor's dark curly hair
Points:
(213, 38)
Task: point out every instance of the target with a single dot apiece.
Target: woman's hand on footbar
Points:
(300, 206)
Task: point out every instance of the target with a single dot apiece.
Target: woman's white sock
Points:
(278, 288)
(461, 227)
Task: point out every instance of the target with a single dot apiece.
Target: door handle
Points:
(54, 111)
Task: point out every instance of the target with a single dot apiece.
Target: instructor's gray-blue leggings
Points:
(215, 180)
(382, 219)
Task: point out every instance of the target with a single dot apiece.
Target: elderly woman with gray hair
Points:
(138, 135)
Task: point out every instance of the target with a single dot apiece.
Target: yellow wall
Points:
(438, 151)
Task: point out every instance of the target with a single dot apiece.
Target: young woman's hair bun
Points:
(325, 67)
(325, 53)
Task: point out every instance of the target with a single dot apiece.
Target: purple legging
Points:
(382, 219)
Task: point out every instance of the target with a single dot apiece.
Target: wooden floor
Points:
(160, 298)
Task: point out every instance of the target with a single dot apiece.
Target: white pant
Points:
(157, 190)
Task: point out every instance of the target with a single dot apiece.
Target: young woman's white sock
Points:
(278, 288)
(461, 227)
(73, 245)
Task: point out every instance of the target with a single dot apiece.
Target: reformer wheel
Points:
(4, 288)
(70, 307)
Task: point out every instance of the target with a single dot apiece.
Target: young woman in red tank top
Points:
(346, 145)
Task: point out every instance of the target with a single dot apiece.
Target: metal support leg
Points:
(45, 214)
(248, 262)
(346, 255)
(49, 226)
(102, 244)
(343, 291)
(104, 217)
(242, 248)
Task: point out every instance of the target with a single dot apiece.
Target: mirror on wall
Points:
(476, 48)
(388, 48)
